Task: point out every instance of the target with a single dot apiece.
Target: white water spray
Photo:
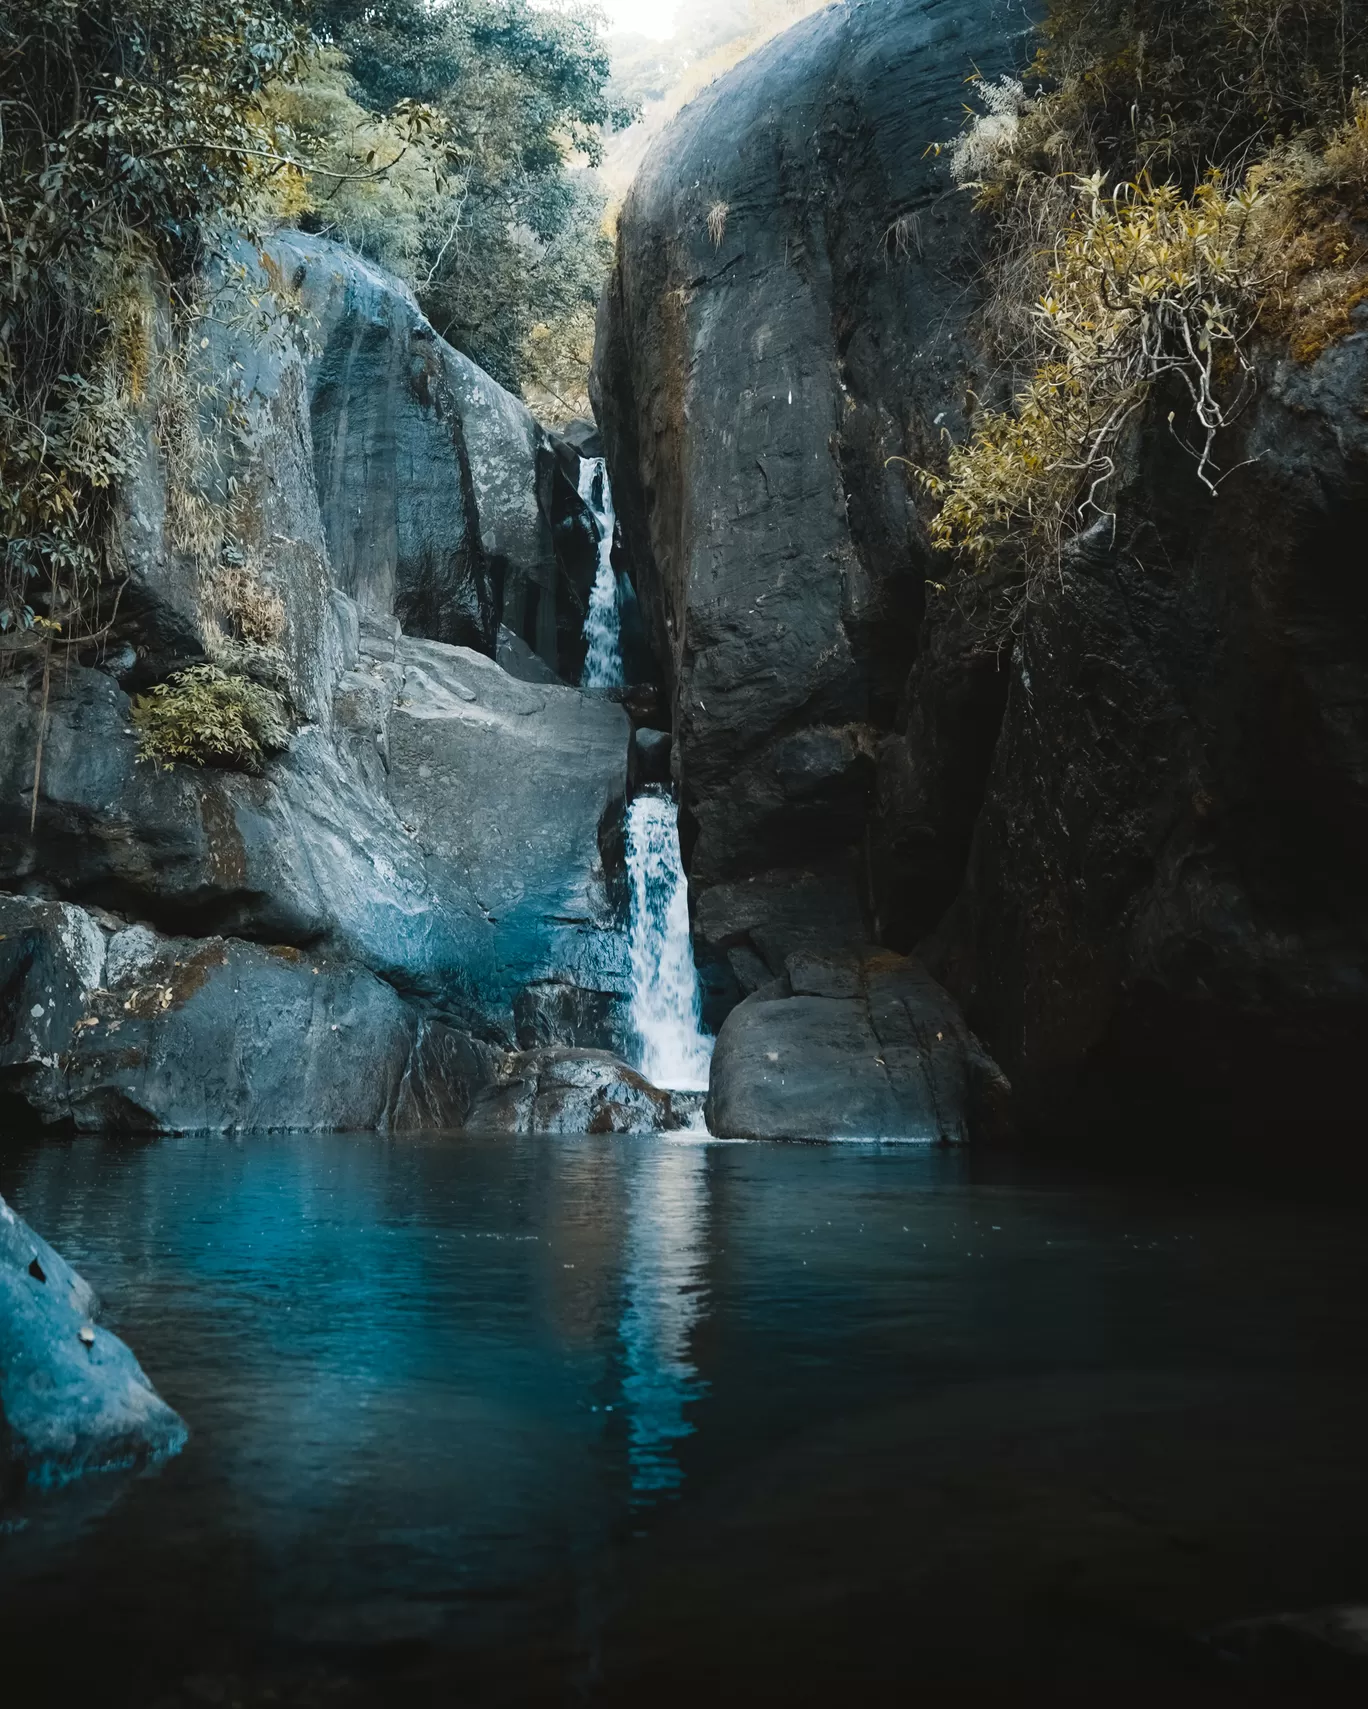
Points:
(674, 1051)
(602, 623)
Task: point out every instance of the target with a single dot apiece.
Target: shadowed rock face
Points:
(753, 381)
(1164, 916)
(73, 1399)
(562, 1090)
(1133, 840)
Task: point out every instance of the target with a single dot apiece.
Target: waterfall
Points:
(603, 661)
(674, 1051)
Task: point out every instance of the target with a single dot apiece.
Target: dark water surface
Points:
(601, 1420)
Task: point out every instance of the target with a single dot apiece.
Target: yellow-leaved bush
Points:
(1144, 283)
(1156, 195)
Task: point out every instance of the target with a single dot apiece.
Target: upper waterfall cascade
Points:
(602, 623)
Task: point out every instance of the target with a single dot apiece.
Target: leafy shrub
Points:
(509, 238)
(1150, 210)
(204, 716)
(1145, 284)
(127, 128)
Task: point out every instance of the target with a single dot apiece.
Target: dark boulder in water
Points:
(853, 1047)
(73, 1399)
(562, 1090)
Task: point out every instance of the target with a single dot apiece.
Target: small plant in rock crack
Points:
(717, 222)
(206, 716)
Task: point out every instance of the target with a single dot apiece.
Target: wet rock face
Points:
(754, 376)
(562, 1090)
(853, 1046)
(73, 1399)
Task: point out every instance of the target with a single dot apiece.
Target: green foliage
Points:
(127, 128)
(508, 240)
(438, 136)
(1145, 284)
(206, 716)
(1180, 86)
(1150, 210)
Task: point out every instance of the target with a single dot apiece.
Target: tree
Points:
(511, 239)
(129, 126)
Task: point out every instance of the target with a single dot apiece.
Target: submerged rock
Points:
(853, 1047)
(1322, 1645)
(73, 1398)
(562, 1090)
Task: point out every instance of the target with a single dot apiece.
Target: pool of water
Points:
(613, 1419)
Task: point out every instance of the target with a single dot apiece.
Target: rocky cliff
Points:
(427, 873)
(1131, 837)
(786, 314)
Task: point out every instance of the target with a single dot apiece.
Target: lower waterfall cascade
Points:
(673, 1050)
(602, 622)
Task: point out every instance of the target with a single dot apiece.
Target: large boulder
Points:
(439, 493)
(787, 314)
(362, 454)
(119, 1028)
(853, 1047)
(1129, 831)
(516, 788)
(73, 1399)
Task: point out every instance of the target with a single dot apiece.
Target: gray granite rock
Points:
(73, 1399)
(146, 1034)
(853, 1047)
(752, 388)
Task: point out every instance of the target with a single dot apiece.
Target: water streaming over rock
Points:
(669, 1045)
(603, 661)
(673, 1050)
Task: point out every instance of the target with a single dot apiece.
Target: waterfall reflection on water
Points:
(556, 1419)
(664, 1298)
